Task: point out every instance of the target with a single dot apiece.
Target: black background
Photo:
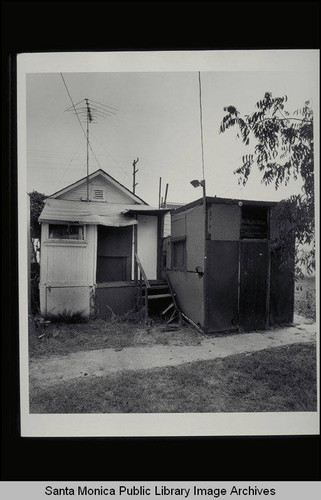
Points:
(108, 26)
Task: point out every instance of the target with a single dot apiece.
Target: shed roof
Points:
(83, 212)
(224, 201)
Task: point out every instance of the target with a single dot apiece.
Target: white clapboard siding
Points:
(113, 194)
(67, 265)
(69, 261)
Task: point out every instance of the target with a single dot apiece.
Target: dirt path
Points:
(45, 372)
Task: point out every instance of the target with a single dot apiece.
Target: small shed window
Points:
(254, 224)
(179, 253)
(66, 232)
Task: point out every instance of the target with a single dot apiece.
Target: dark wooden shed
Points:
(222, 268)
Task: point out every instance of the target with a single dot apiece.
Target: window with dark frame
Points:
(66, 232)
(254, 223)
(179, 253)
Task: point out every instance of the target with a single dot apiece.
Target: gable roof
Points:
(108, 178)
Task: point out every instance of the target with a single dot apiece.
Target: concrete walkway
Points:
(56, 369)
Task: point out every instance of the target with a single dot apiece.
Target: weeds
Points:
(67, 317)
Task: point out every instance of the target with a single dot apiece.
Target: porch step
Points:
(155, 288)
(159, 296)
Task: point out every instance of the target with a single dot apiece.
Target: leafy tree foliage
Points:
(36, 206)
(282, 150)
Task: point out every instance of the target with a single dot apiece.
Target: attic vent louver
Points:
(98, 194)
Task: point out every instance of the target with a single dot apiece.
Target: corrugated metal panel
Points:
(86, 213)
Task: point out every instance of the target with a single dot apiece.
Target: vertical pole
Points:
(134, 174)
(159, 192)
(205, 291)
(87, 149)
(146, 303)
(165, 197)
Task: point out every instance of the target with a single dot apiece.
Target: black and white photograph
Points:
(168, 267)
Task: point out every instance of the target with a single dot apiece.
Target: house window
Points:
(179, 253)
(66, 232)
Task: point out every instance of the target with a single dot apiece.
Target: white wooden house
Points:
(91, 232)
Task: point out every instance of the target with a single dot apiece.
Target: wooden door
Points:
(254, 284)
(221, 300)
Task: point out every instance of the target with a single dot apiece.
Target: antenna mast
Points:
(89, 120)
(88, 112)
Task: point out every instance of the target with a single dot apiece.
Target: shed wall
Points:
(191, 225)
(188, 284)
(224, 222)
(189, 294)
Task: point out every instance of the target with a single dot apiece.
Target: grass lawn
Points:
(279, 379)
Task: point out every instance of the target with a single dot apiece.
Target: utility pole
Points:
(165, 197)
(89, 119)
(134, 174)
(159, 192)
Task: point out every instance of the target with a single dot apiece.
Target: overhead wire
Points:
(72, 159)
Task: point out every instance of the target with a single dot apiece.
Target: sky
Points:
(158, 121)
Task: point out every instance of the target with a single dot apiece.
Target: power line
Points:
(65, 171)
(73, 105)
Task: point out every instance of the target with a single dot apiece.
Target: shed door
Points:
(222, 285)
(254, 278)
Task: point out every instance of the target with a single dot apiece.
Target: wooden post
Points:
(159, 192)
(135, 170)
(141, 288)
(165, 197)
(146, 303)
(135, 252)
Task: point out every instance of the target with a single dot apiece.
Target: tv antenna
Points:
(88, 111)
